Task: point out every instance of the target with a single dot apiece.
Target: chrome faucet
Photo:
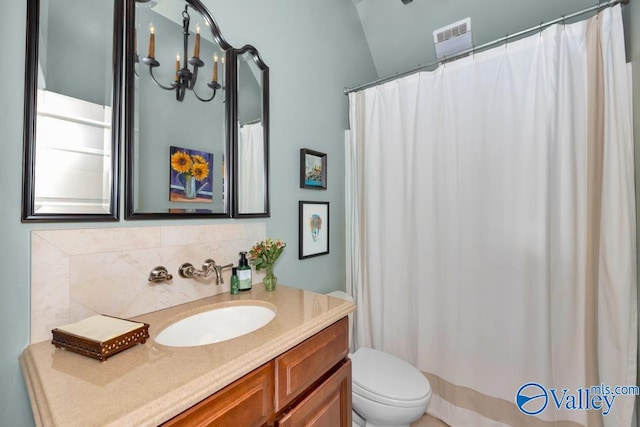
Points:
(209, 267)
(219, 268)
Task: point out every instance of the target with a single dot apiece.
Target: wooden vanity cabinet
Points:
(310, 385)
(328, 405)
(245, 402)
(313, 380)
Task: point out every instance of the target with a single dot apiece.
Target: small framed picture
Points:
(313, 234)
(313, 169)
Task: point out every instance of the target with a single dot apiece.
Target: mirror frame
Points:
(236, 53)
(30, 116)
(129, 108)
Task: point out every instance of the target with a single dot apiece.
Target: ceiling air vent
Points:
(453, 38)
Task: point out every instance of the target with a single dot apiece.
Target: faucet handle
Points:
(159, 275)
(186, 270)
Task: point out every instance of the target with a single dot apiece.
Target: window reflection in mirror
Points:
(179, 139)
(252, 148)
(70, 130)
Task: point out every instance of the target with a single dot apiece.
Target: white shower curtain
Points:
(490, 212)
(251, 173)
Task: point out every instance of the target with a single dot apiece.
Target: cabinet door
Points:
(306, 363)
(329, 405)
(247, 402)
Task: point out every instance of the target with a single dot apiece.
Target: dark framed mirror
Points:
(74, 54)
(251, 128)
(177, 112)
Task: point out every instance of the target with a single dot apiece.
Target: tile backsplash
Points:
(78, 273)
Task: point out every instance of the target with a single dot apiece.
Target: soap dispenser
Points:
(244, 273)
(235, 283)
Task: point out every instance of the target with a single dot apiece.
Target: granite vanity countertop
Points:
(150, 383)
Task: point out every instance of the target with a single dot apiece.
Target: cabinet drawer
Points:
(329, 405)
(245, 402)
(306, 363)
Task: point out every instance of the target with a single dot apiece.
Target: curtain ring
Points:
(541, 29)
(506, 41)
(564, 21)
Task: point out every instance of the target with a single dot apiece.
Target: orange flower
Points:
(264, 254)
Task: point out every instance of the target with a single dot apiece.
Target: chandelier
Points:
(185, 78)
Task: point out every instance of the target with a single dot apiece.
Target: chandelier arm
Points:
(172, 87)
(192, 83)
(204, 99)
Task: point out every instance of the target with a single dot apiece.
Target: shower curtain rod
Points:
(540, 27)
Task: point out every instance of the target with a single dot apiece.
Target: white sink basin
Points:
(216, 325)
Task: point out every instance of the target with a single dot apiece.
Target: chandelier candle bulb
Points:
(215, 68)
(177, 66)
(152, 42)
(222, 66)
(196, 47)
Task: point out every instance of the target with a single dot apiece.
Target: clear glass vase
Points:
(270, 280)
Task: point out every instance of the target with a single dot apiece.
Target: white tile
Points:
(78, 273)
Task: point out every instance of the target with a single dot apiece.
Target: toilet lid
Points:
(387, 379)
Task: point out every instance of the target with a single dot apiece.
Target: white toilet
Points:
(387, 391)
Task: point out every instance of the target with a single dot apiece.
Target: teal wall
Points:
(14, 246)
(66, 53)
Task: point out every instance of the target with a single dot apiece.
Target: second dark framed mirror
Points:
(177, 104)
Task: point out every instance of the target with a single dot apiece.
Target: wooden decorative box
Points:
(100, 336)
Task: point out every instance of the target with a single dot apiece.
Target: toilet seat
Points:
(388, 380)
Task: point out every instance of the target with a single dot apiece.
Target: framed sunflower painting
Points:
(191, 175)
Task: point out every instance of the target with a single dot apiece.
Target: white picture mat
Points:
(321, 243)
